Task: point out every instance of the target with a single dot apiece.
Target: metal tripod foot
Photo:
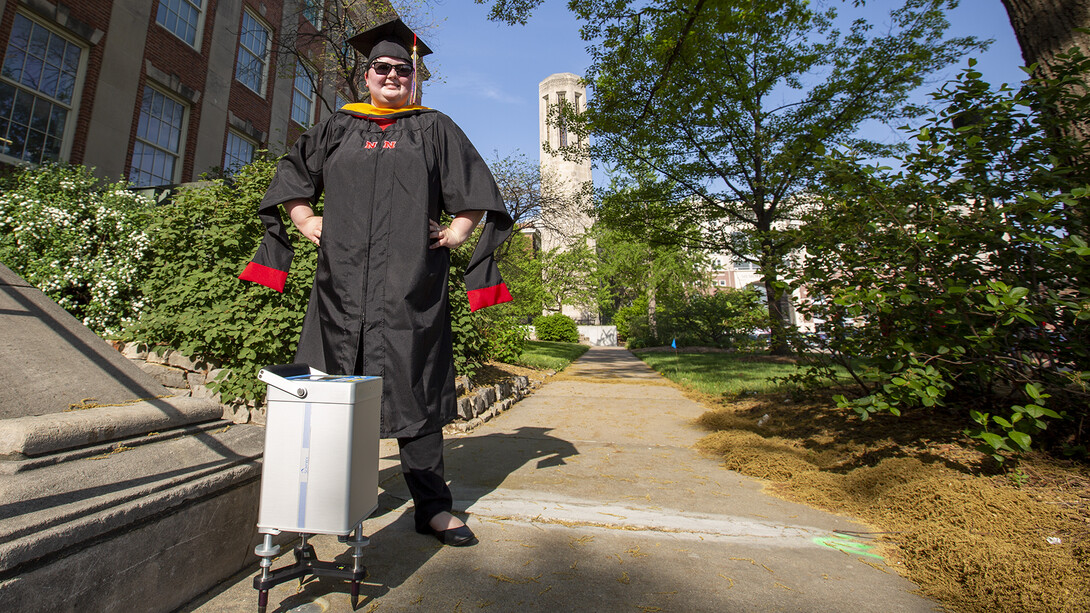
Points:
(308, 564)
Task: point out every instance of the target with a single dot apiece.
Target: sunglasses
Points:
(384, 68)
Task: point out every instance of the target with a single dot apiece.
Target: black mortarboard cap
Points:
(392, 38)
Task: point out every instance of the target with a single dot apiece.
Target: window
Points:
(302, 98)
(253, 53)
(548, 135)
(741, 264)
(341, 100)
(312, 12)
(561, 100)
(239, 152)
(182, 17)
(37, 90)
(158, 140)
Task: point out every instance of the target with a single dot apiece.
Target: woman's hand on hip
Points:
(305, 220)
(457, 232)
(311, 227)
(448, 236)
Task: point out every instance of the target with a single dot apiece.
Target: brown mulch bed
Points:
(971, 536)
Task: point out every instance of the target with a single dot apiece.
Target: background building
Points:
(563, 180)
(156, 91)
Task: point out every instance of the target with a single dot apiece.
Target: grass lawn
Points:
(555, 356)
(720, 374)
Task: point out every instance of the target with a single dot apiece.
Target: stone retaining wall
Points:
(187, 376)
(478, 405)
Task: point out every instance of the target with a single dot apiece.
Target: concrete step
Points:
(88, 533)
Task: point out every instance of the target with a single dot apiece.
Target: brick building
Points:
(156, 91)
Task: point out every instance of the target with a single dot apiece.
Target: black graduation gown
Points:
(379, 303)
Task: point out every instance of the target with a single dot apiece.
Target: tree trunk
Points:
(777, 319)
(652, 305)
(1045, 28)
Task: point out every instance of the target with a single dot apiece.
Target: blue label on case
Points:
(304, 465)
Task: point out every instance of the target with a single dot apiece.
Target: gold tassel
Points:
(412, 96)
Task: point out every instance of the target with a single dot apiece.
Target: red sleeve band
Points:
(488, 296)
(269, 277)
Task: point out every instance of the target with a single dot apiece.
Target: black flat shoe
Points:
(461, 536)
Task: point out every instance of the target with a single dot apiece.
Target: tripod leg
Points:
(358, 542)
(267, 551)
(301, 553)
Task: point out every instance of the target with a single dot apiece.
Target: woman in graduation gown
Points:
(379, 303)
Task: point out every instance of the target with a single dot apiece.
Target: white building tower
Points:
(564, 221)
(562, 177)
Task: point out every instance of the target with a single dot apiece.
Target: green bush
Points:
(167, 275)
(467, 328)
(724, 318)
(79, 240)
(506, 339)
(632, 324)
(962, 279)
(201, 241)
(556, 328)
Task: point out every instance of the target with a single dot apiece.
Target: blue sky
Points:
(489, 72)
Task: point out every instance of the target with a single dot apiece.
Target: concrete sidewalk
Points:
(588, 496)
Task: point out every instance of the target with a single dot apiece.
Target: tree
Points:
(525, 193)
(635, 270)
(538, 280)
(567, 276)
(511, 11)
(731, 104)
(962, 279)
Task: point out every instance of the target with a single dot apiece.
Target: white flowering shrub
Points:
(80, 240)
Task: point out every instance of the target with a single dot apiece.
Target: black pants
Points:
(422, 465)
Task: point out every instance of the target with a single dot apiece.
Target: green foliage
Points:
(720, 167)
(522, 272)
(655, 293)
(557, 327)
(201, 241)
(537, 278)
(964, 278)
(637, 277)
(725, 318)
(78, 239)
(567, 275)
(510, 11)
(468, 337)
(506, 339)
(632, 323)
(467, 329)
